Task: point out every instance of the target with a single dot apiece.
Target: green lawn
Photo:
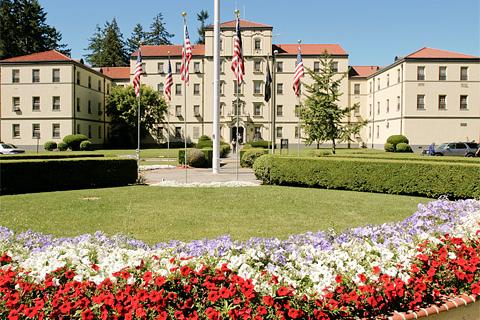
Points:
(156, 214)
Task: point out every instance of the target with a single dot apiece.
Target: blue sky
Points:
(373, 32)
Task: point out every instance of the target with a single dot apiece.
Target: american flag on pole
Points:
(137, 74)
(238, 66)
(169, 82)
(186, 55)
(299, 72)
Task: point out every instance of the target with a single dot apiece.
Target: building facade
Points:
(46, 96)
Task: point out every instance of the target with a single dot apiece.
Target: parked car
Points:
(8, 148)
(462, 149)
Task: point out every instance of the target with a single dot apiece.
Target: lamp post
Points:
(274, 97)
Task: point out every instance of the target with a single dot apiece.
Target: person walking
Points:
(234, 146)
(431, 149)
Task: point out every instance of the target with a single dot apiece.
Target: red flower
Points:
(268, 300)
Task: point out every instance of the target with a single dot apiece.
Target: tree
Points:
(136, 39)
(122, 107)
(202, 16)
(158, 34)
(24, 30)
(323, 119)
(107, 47)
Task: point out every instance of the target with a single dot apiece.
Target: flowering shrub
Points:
(364, 272)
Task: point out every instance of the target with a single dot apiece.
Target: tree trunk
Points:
(333, 145)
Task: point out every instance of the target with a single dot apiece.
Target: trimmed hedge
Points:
(50, 156)
(62, 146)
(50, 145)
(73, 141)
(418, 178)
(86, 145)
(400, 157)
(389, 147)
(248, 157)
(207, 156)
(403, 147)
(396, 139)
(23, 176)
(261, 144)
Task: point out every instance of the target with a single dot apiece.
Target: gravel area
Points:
(156, 167)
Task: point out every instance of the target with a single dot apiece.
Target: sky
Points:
(372, 32)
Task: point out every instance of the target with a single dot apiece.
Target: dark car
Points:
(462, 149)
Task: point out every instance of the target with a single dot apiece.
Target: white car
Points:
(7, 148)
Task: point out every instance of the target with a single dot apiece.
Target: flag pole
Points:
(184, 15)
(274, 95)
(138, 123)
(216, 88)
(237, 113)
(168, 113)
(298, 126)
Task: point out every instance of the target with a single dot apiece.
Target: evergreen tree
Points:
(107, 47)
(323, 119)
(24, 30)
(158, 34)
(136, 39)
(202, 17)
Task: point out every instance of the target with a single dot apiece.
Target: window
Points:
(388, 80)
(257, 109)
(108, 88)
(356, 88)
(78, 104)
(370, 109)
(89, 106)
(178, 111)
(258, 44)
(279, 88)
(222, 88)
(279, 132)
(99, 108)
(398, 76)
(279, 66)
(78, 77)
(89, 132)
(297, 110)
(16, 103)
(160, 67)
(99, 132)
(222, 66)
(196, 110)
(387, 125)
(99, 85)
(237, 89)
(257, 87)
(160, 88)
(279, 111)
(196, 132)
(316, 67)
(370, 132)
(297, 131)
(35, 75)
(378, 107)
(335, 66)
(222, 109)
(370, 90)
(78, 128)
(421, 73)
(15, 76)
(378, 131)
(378, 84)
(55, 130)
(257, 133)
(160, 133)
(15, 130)
(144, 68)
(442, 73)
(221, 44)
(56, 75)
(178, 89)
(89, 82)
(196, 89)
(196, 67)
(36, 130)
(463, 73)
(356, 111)
(56, 103)
(178, 132)
(463, 102)
(398, 103)
(442, 102)
(35, 103)
(388, 105)
(257, 66)
(178, 66)
(420, 102)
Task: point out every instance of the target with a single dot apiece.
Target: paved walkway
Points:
(227, 172)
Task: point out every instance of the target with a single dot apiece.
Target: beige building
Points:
(430, 96)
(46, 96)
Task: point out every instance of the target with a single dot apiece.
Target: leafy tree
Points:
(202, 16)
(107, 47)
(136, 39)
(23, 29)
(122, 107)
(158, 34)
(323, 119)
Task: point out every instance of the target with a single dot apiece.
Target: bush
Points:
(261, 144)
(418, 178)
(55, 155)
(62, 146)
(21, 176)
(403, 147)
(85, 145)
(204, 138)
(73, 141)
(50, 145)
(224, 149)
(247, 146)
(248, 157)
(195, 158)
(389, 147)
(396, 139)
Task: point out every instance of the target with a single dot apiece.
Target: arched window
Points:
(258, 44)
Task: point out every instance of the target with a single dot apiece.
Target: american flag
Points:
(137, 74)
(299, 72)
(186, 55)
(237, 60)
(169, 81)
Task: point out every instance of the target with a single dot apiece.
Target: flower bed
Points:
(367, 272)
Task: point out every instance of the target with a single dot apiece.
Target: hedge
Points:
(208, 153)
(261, 144)
(418, 178)
(248, 157)
(399, 157)
(50, 156)
(23, 176)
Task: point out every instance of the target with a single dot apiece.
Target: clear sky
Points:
(373, 32)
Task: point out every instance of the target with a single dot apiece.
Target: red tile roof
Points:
(172, 50)
(438, 54)
(308, 49)
(243, 24)
(51, 55)
(116, 72)
(363, 71)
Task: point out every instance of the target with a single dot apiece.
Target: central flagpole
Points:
(237, 113)
(184, 14)
(216, 88)
(298, 126)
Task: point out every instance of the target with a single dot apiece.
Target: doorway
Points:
(240, 134)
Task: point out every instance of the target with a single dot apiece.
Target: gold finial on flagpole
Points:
(184, 15)
(299, 41)
(237, 13)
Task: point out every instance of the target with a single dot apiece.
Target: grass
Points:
(155, 214)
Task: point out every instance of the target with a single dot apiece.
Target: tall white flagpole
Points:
(216, 88)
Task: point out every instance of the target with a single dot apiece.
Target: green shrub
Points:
(22, 176)
(224, 150)
(389, 147)
(204, 138)
(246, 146)
(248, 157)
(208, 152)
(261, 144)
(62, 146)
(73, 141)
(50, 145)
(56, 155)
(403, 147)
(418, 178)
(396, 139)
(85, 145)
(195, 158)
